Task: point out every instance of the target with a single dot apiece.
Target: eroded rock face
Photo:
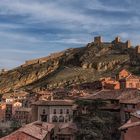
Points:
(62, 69)
(23, 76)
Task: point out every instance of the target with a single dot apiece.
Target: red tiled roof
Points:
(54, 103)
(136, 114)
(124, 96)
(38, 130)
(23, 109)
(68, 125)
(133, 77)
(129, 124)
(104, 94)
(131, 96)
(131, 101)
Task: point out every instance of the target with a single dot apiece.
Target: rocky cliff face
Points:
(72, 66)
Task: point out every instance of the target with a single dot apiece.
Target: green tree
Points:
(96, 124)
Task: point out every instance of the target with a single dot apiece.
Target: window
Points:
(68, 111)
(67, 118)
(54, 119)
(130, 85)
(44, 118)
(54, 111)
(61, 119)
(43, 111)
(112, 101)
(61, 111)
(133, 106)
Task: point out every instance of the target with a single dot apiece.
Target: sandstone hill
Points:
(73, 66)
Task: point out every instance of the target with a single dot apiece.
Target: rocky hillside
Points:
(72, 66)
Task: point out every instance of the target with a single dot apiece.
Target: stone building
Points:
(52, 111)
(118, 44)
(98, 40)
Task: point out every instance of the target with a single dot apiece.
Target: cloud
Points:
(34, 28)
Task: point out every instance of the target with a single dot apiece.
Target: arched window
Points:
(61, 119)
(54, 119)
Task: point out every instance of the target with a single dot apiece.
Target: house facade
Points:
(56, 111)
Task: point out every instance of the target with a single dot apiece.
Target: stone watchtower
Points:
(117, 40)
(137, 49)
(98, 40)
(128, 44)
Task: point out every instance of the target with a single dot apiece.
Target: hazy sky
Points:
(35, 28)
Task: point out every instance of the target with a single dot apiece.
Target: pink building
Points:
(131, 81)
(23, 115)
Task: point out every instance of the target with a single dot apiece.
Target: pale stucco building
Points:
(53, 111)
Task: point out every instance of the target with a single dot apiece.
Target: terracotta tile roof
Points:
(111, 106)
(131, 101)
(38, 130)
(68, 125)
(104, 94)
(45, 92)
(15, 94)
(72, 128)
(129, 124)
(136, 114)
(124, 96)
(54, 102)
(23, 109)
(130, 96)
(131, 76)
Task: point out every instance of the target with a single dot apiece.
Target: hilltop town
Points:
(86, 93)
(73, 66)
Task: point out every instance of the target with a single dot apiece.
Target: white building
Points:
(52, 111)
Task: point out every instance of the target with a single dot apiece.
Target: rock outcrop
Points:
(72, 66)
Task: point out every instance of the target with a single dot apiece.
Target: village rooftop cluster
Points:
(43, 115)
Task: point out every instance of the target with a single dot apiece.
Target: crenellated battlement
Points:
(98, 40)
